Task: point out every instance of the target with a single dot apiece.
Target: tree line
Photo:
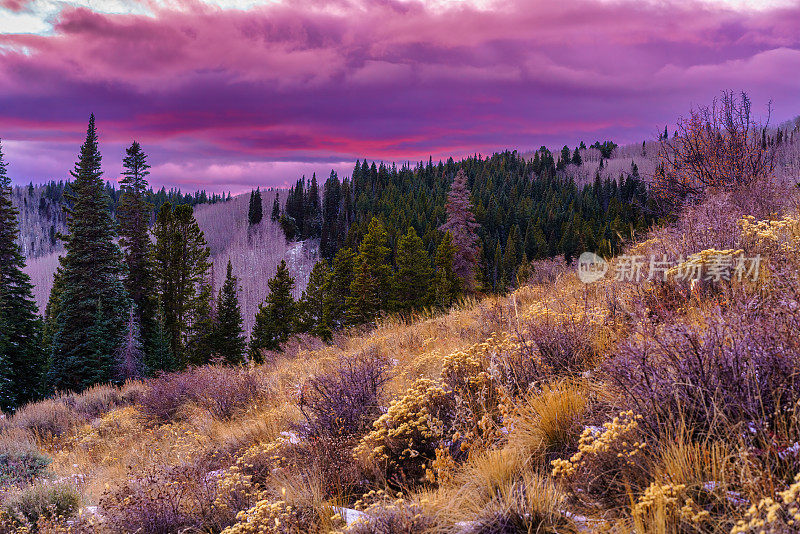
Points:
(524, 209)
(133, 296)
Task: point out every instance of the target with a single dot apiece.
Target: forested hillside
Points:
(660, 400)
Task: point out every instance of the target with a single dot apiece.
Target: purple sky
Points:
(226, 95)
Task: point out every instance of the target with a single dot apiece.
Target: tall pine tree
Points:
(22, 360)
(447, 284)
(412, 280)
(94, 307)
(182, 271)
(276, 320)
(134, 213)
(276, 208)
(229, 340)
(256, 211)
(369, 291)
(314, 313)
(339, 288)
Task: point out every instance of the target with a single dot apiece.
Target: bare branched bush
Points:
(717, 147)
(221, 391)
(161, 498)
(345, 401)
(739, 369)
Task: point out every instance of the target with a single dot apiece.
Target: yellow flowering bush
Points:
(779, 515)
(670, 504)
(392, 516)
(405, 438)
(277, 517)
(610, 461)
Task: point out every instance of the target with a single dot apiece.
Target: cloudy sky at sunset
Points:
(229, 94)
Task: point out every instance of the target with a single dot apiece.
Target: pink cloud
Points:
(232, 92)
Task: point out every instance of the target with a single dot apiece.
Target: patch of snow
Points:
(351, 516)
(291, 437)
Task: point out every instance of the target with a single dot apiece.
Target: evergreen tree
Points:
(447, 284)
(276, 319)
(229, 337)
(312, 209)
(255, 213)
(161, 357)
(314, 315)
(182, 270)
(576, 157)
(200, 340)
(93, 304)
(331, 202)
(462, 227)
(412, 280)
(276, 208)
(369, 291)
(339, 288)
(22, 360)
(510, 260)
(497, 269)
(133, 213)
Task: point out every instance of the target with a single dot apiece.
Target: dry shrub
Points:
(716, 148)
(159, 499)
(405, 438)
(63, 413)
(455, 416)
(42, 501)
(50, 418)
(738, 369)
(563, 347)
(291, 503)
(395, 517)
(778, 514)
(497, 492)
(547, 423)
(694, 489)
(99, 399)
(20, 460)
(343, 402)
(532, 504)
(547, 271)
(220, 390)
(611, 463)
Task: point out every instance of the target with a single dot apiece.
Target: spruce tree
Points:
(462, 227)
(312, 210)
(276, 208)
(576, 157)
(22, 360)
(331, 202)
(256, 211)
(369, 291)
(447, 284)
(510, 261)
(182, 271)
(133, 214)
(339, 287)
(93, 304)
(276, 320)
(200, 339)
(314, 315)
(229, 340)
(411, 282)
